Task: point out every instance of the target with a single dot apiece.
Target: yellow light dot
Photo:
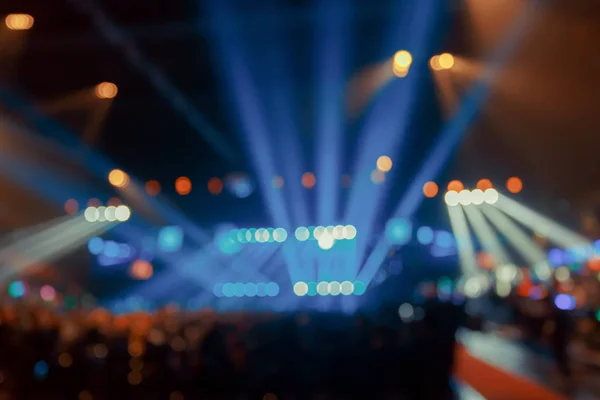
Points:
(384, 163)
(402, 59)
(106, 90)
(446, 61)
(19, 22)
(118, 178)
(434, 63)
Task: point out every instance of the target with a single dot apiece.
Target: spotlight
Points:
(280, 235)
(347, 288)
(323, 288)
(302, 234)
(91, 214)
(183, 185)
(19, 22)
(309, 180)
(484, 184)
(350, 232)
(300, 289)
(464, 197)
(451, 198)
(430, 189)
(109, 213)
(384, 163)
(122, 213)
(514, 185)
(490, 196)
(377, 176)
(152, 188)
(446, 61)
(106, 90)
(402, 59)
(477, 197)
(326, 241)
(118, 178)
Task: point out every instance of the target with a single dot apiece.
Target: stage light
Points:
(96, 245)
(346, 288)
(334, 288)
(106, 90)
(359, 288)
(503, 289)
(556, 257)
(455, 186)
(446, 61)
(318, 231)
(434, 63)
(309, 180)
(71, 206)
(91, 214)
(477, 198)
(399, 71)
(484, 184)
(350, 232)
(323, 288)
(326, 241)
(490, 196)
(402, 59)
(464, 197)
(152, 187)
(338, 232)
(377, 176)
(109, 213)
(17, 289)
(430, 189)
(425, 235)
(122, 213)
(302, 234)
(118, 178)
(398, 231)
(277, 182)
(384, 164)
(101, 214)
(19, 22)
(272, 289)
(141, 270)
(183, 185)
(170, 239)
(514, 185)
(280, 235)
(215, 186)
(300, 289)
(451, 198)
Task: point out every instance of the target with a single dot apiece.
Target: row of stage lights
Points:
(302, 234)
(248, 289)
(402, 61)
(111, 214)
(333, 288)
(475, 197)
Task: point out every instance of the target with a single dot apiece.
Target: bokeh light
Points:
(430, 189)
(91, 214)
(309, 180)
(402, 59)
(384, 163)
(106, 90)
(434, 63)
(302, 234)
(346, 180)
(114, 201)
(19, 22)
(326, 241)
(122, 213)
(183, 185)
(152, 187)
(17, 289)
(514, 185)
(446, 61)
(490, 196)
(170, 238)
(484, 184)
(118, 178)
(95, 245)
(456, 186)
(451, 198)
(141, 270)
(93, 202)
(215, 186)
(425, 235)
(300, 289)
(398, 231)
(277, 182)
(71, 206)
(377, 176)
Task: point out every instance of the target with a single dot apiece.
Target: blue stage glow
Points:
(251, 289)
(226, 239)
(111, 249)
(125, 250)
(272, 289)
(380, 276)
(170, 239)
(261, 290)
(398, 231)
(40, 370)
(556, 257)
(240, 289)
(444, 240)
(228, 290)
(239, 185)
(425, 235)
(95, 245)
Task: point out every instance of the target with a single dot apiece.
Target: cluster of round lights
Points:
(442, 62)
(19, 22)
(109, 248)
(474, 197)
(248, 289)
(401, 63)
(260, 235)
(110, 214)
(339, 232)
(333, 288)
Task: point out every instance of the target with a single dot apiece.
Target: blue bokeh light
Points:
(359, 288)
(444, 239)
(425, 235)
(96, 245)
(111, 249)
(398, 231)
(556, 257)
(40, 370)
(16, 289)
(170, 239)
(565, 301)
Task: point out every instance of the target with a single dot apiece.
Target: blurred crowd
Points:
(173, 354)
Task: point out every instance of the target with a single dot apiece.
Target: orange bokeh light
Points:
(309, 180)
(594, 264)
(514, 185)
(277, 182)
(94, 203)
(71, 206)
(484, 184)
(215, 186)
(430, 189)
(152, 187)
(118, 178)
(141, 270)
(106, 90)
(19, 22)
(183, 185)
(455, 186)
(114, 201)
